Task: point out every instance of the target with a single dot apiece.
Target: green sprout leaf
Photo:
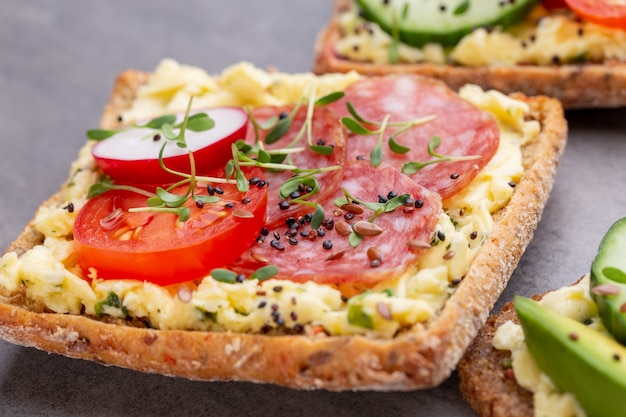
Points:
(265, 272)
(264, 157)
(208, 199)
(100, 134)
(376, 155)
(171, 199)
(614, 274)
(329, 98)
(200, 122)
(224, 275)
(396, 147)
(168, 132)
(322, 149)
(355, 127)
(281, 128)
(269, 123)
(183, 214)
(412, 167)
(354, 239)
(318, 217)
(99, 188)
(158, 122)
(462, 8)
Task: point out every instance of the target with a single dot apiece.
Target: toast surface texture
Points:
(419, 358)
(575, 85)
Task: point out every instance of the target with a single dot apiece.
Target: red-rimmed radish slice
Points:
(132, 156)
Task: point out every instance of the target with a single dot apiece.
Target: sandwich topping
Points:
(544, 36)
(356, 214)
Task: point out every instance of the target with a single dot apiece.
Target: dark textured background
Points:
(58, 61)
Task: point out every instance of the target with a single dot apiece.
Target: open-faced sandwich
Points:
(560, 355)
(336, 231)
(571, 50)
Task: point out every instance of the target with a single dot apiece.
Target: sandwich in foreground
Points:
(338, 232)
(551, 48)
(567, 357)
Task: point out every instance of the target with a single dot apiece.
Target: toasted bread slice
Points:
(419, 358)
(604, 83)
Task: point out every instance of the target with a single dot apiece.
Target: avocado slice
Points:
(577, 359)
(419, 22)
(608, 280)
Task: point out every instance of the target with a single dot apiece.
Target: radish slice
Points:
(132, 156)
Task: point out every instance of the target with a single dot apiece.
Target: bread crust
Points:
(419, 358)
(575, 85)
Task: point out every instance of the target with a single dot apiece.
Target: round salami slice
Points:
(353, 245)
(326, 131)
(463, 129)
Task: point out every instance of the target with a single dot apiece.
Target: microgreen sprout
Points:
(231, 277)
(412, 167)
(357, 124)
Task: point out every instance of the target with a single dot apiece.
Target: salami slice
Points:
(325, 255)
(463, 129)
(326, 130)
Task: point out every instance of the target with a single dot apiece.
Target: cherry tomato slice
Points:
(158, 247)
(132, 156)
(611, 13)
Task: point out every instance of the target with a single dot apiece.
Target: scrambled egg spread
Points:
(51, 275)
(574, 302)
(543, 38)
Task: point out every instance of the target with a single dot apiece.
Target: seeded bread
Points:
(419, 358)
(604, 84)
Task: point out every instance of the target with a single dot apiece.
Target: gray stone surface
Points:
(58, 61)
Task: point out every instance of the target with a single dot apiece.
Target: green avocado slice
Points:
(419, 22)
(577, 359)
(608, 280)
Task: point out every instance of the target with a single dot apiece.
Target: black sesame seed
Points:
(419, 203)
(454, 176)
(344, 298)
(294, 194)
(210, 189)
(219, 190)
(321, 232)
(442, 8)
(283, 205)
(262, 304)
(409, 202)
(375, 263)
(294, 316)
(265, 231)
(276, 235)
(156, 137)
(321, 141)
(229, 205)
(298, 328)
(199, 204)
(120, 118)
(254, 180)
(276, 245)
(556, 59)
(616, 357)
(278, 288)
(261, 183)
(441, 235)
(327, 244)
(290, 221)
(512, 184)
(382, 199)
(283, 115)
(246, 200)
(392, 194)
(581, 32)
(293, 241)
(304, 233)
(308, 217)
(240, 278)
(360, 157)
(329, 224)
(474, 235)
(291, 232)
(70, 207)
(260, 239)
(348, 216)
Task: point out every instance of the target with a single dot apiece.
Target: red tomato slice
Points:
(157, 247)
(610, 13)
(132, 156)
